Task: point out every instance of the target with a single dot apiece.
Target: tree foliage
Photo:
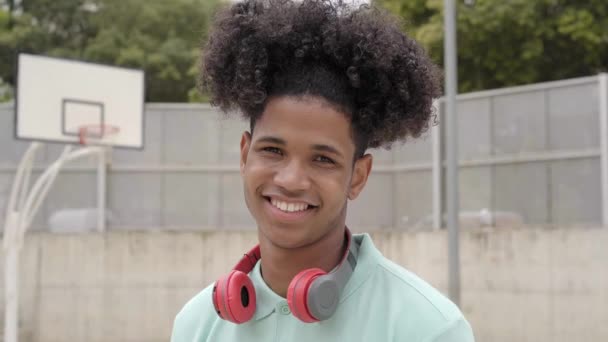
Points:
(161, 37)
(512, 42)
(500, 42)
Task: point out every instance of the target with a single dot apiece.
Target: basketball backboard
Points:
(59, 100)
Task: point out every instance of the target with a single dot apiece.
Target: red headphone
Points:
(313, 294)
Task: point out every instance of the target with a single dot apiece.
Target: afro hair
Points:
(356, 58)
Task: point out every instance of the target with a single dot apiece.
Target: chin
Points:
(286, 237)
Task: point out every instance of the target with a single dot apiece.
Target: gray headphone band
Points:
(341, 273)
(325, 291)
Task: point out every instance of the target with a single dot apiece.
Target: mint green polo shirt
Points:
(381, 302)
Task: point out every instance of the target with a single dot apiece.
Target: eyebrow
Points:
(270, 139)
(316, 147)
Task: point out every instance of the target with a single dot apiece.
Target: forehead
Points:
(305, 119)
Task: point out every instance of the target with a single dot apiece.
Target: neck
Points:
(280, 265)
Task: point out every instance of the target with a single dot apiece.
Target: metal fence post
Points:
(451, 89)
(437, 170)
(603, 111)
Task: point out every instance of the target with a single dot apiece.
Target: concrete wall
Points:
(517, 284)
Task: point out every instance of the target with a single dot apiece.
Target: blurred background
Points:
(531, 112)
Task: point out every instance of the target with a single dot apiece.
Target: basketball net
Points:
(96, 132)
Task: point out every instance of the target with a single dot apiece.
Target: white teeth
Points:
(289, 207)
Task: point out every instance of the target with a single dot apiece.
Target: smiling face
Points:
(298, 170)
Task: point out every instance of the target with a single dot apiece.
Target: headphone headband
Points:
(325, 291)
(249, 259)
(313, 294)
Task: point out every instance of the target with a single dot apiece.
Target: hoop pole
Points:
(27, 172)
(18, 192)
(11, 295)
(47, 185)
(12, 243)
(18, 220)
(41, 187)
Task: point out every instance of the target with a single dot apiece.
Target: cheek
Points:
(334, 188)
(255, 174)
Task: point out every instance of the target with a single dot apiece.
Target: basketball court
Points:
(89, 108)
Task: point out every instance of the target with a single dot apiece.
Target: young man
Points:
(320, 83)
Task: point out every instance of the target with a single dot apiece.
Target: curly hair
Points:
(355, 58)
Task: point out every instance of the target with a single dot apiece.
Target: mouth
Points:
(288, 211)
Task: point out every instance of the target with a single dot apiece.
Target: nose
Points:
(292, 176)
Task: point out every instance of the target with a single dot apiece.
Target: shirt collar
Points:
(267, 300)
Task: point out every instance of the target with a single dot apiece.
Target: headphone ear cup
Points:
(297, 294)
(234, 297)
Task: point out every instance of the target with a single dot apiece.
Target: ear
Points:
(245, 144)
(361, 170)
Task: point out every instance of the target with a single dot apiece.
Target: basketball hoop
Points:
(96, 132)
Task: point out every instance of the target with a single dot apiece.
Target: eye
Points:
(272, 149)
(324, 159)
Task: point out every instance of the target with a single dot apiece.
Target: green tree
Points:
(161, 37)
(505, 43)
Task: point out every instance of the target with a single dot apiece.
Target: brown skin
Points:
(301, 150)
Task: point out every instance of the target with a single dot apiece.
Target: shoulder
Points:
(410, 287)
(417, 308)
(454, 331)
(195, 319)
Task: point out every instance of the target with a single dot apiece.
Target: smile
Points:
(289, 207)
(288, 211)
